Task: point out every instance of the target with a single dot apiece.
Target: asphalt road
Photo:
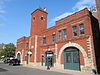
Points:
(5, 69)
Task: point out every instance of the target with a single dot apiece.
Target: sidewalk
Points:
(72, 72)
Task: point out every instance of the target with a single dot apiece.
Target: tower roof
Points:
(40, 9)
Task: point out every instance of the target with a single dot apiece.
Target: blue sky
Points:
(15, 15)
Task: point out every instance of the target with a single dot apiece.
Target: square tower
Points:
(38, 21)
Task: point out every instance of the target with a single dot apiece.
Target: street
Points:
(5, 69)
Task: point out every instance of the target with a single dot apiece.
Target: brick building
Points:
(67, 45)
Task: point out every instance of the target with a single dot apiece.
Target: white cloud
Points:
(78, 6)
(52, 21)
(1, 25)
(62, 16)
(2, 5)
(83, 3)
(2, 11)
(2, 17)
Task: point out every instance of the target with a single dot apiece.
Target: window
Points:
(81, 26)
(44, 40)
(64, 33)
(53, 38)
(74, 31)
(60, 35)
(33, 18)
(42, 18)
(26, 45)
(19, 46)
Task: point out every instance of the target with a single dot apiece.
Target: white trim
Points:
(21, 57)
(86, 60)
(30, 39)
(90, 51)
(78, 22)
(35, 49)
(17, 53)
(61, 28)
(56, 52)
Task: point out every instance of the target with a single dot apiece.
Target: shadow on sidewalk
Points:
(3, 70)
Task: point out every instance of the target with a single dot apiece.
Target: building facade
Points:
(67, 45)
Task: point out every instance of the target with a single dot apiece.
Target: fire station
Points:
(67, 45)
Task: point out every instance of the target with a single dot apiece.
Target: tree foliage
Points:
(9, 50)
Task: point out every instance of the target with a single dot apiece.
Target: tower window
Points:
(33, 18)
(42, 18)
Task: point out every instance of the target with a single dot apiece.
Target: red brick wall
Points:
(21, 45)
(38, 25)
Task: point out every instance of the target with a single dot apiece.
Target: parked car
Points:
(6, 61)
(14, 62)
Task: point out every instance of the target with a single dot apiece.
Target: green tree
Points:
(9, 50)
(1, 54)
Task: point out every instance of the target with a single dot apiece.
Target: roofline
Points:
(22, 37)
(62, 19)
(72, 14)
(40, 10)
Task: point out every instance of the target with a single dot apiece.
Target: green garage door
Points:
(71, 59)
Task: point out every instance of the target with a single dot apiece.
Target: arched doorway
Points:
(49, 58)
(71, 58)
(81, 50)
(18, 56)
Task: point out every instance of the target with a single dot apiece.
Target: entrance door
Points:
(50, 61)
(27, 57)
(49, 57)
(18, 56)
(43, 61)
(71, 59)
